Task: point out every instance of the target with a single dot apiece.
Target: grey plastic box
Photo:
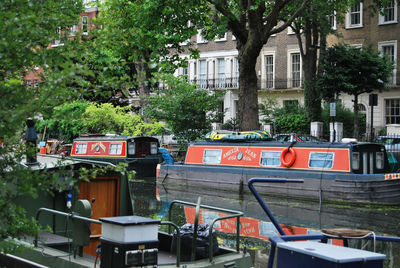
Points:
(313, 254)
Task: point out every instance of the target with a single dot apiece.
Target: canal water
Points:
(297, 216)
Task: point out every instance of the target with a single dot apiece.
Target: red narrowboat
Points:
(357, 172)
(140, 153)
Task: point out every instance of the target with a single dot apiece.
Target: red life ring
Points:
(291, 159)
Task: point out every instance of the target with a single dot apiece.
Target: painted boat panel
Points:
(251, 156)
(114, 149)
(337, 183)
(98, 148)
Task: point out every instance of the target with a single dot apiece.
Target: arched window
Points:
(362, 109)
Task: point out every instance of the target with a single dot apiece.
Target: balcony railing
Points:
(233, 83)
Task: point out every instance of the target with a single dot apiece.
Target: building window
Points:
(355, 16)
(185, 70)
(362, 109)
(58, 42)
(212, 156)
(269, 71)
(84, 24)
(221, 73)
(203, 74)
(332, 21)
(389, 13)
(290, 103)
(389, 48)
(392, 111)
(73, 30)
(29, 83)
(321, 160)
(236, 78)
(290, 30)
(200, 38)
(236, 108)
(223, 38)
(35, 83)
(295, 66)
(270, 158)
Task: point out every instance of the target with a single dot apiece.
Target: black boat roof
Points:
(107, 137)
(286, 144)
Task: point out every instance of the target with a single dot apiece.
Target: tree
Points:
(267, 109)
(153, 30)
(145, 37)
(311, 29)
(105, 118)
(71, 119)
(354, 71)
(187, 111)
(27, 28)
(66, 121)
(252, 23)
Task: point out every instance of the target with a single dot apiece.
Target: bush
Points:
(345, 116)
(70, 120)
(291, 118)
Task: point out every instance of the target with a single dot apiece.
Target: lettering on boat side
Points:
(251, 153)
(247, 155)
(230, 152)
(393, 176)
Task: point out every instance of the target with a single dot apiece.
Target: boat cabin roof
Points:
(286, 144)
(112, 138)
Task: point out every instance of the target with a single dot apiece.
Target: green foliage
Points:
(291, 118)
(27, 28)
(187, 110)
(352, 70)
(138, 39)
(267, 109)
(66, 122)
(343, 115)
(232, 124)
(73, 118)
(105, 118)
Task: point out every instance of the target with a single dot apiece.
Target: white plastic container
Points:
(129, 229)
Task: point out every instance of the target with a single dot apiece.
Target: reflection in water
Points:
(150, 201)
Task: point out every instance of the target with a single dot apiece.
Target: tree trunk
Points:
(312, 100)
(248, 89)
(356, 131)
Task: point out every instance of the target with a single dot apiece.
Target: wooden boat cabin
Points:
(339, 171)
(140, 153)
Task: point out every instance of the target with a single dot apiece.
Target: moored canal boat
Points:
(140, 153)
(357, 172)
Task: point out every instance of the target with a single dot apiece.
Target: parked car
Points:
(296, 137)
(392, 144)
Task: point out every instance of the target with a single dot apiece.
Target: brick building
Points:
(279, 65)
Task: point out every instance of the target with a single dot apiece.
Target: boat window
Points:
(212, 156)
(153, 147)
(115, 148)
(355, 160)
(81, 148)
(270, 158)
(320, 160)
(380, 164)
(131, 148)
